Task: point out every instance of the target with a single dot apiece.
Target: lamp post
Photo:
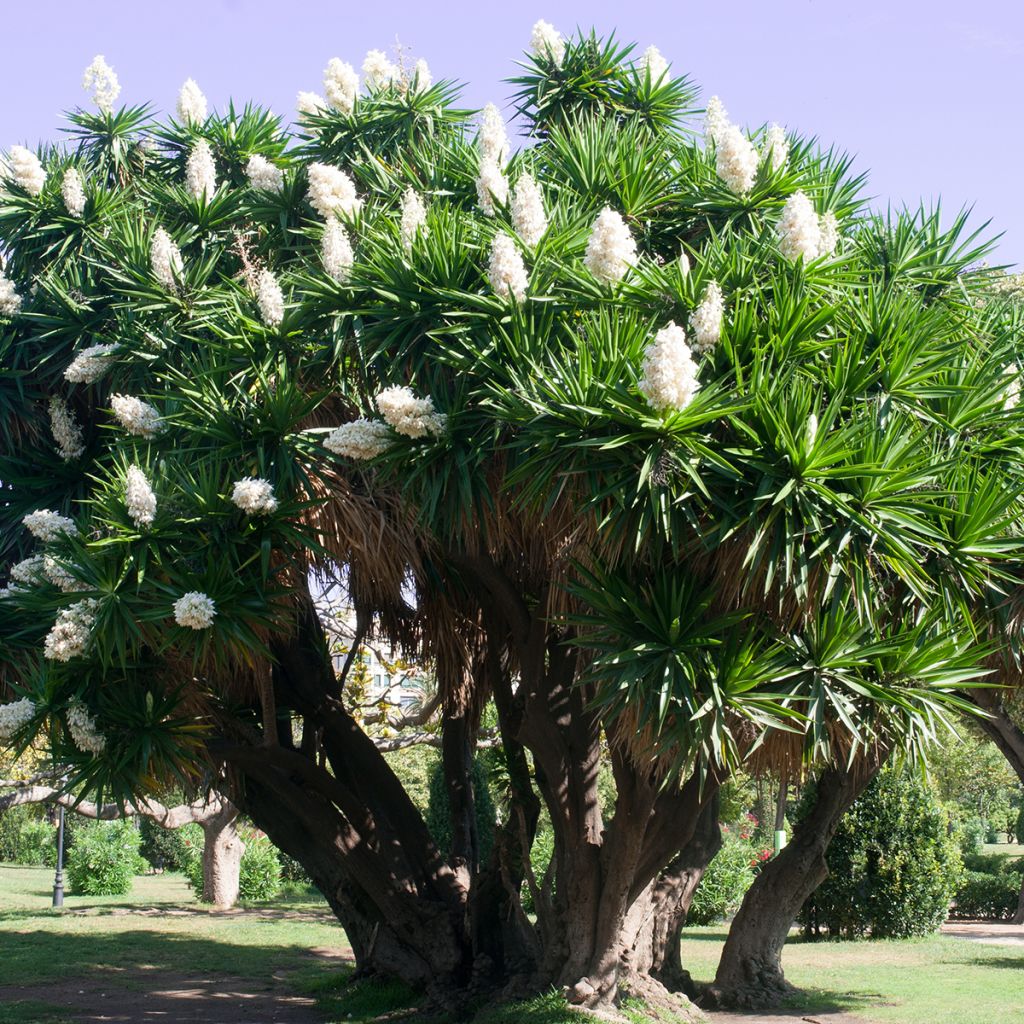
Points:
(58, 878)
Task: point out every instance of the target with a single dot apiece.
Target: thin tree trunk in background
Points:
(222, 858)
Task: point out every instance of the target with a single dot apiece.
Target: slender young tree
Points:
(650, 436)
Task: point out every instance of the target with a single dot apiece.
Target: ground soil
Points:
(991, 933)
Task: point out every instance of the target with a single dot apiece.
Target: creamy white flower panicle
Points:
(812, 430)
(192, 108)
(336, 251)
(378, 71)
(15, 716)
(422, 77)
(414, 218)
(70, 635)
(136, 416)
(528, 216)
(341, 85)
(611, 250)
(547, 42)
(99, 79)
(669, 379)
(409, 415)
(72, 192)
(706, 319)
(506, 270)
(66, 431)
(829, 227)
(60, 577)
(28, 571)
(332, 191)
(46, 525)
(1011, 396)
(165, 259)
(139, 498)
(200, 170)
(262, 174)
(10, 300)
(360, 439)
(269, 298)
(736, 160)
(25, 169)
(84, 731)
(492, 142)
(798, 229)
(653, 63)
(716, 120)
(90, 364)
(254, 496)
(310, 103)
(491, 187)
(195, 610)
(776, 147)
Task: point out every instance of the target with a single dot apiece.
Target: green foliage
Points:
(259, 877)
(727, 878)
(438, 809)
(894, 864)
(26, 836)
(986, 895)
(415, 767)
(163, 847)
(105, 858)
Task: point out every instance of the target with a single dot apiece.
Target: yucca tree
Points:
(458, 382)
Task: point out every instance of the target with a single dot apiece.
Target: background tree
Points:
(239, 365)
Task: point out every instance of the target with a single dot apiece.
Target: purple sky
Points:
(926, 93)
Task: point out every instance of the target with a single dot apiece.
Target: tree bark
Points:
(750, 969)
(222, 858)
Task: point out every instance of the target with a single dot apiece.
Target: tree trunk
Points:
(222, 858)
(750, 970)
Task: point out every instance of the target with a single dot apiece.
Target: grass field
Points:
(157, 954)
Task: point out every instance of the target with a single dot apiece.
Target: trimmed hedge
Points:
(990, 896)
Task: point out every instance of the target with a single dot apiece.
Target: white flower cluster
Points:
(716, 120)
(254, 496)
(165, 259)
(654, 64)
(90, 364)
(262, 174)
(66, 431)
(101, 81)
(192, 107)
(29, 570)
(506, 270)
(60, 577)
(490, 186)
(46, 525)
(1011, 397)
(547, 42)
(70, 635)
(139, 499)
(341, 85)
(611, 250)
(706, 319)
(336, 251)
(310, 103)
(195, 610)
(378, 71)
(10, 300)
(528, 216)
(200, 170)
(669, 378)
(136, 416)
(269, 298)
(414, 218)
(775, 148)
(72, 192)
(83, 729)
(15, 716)
(409, 415)
(736, 160)
(422, 78)
(332, 191)
(24, 169)
(803, 233)
(492, 142)
(360, 439)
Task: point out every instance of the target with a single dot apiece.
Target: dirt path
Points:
(988, 932)
(786, 1017)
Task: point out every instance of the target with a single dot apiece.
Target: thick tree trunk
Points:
(750, 969)
(222, 858)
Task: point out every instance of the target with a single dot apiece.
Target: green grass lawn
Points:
(125, 945)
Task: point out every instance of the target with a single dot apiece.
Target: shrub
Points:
(972, 834)
(27, 836)
(260, 876)
(437, 816)
(727, 878)
(104, 858)
(163, 847)
(987, 895)
(894, 863)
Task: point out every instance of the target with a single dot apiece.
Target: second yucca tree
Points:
(656, 441)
